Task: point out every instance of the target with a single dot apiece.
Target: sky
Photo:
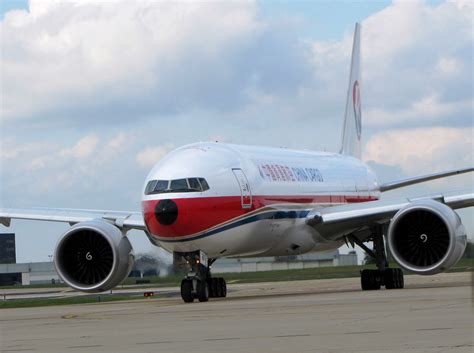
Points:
(94, 93)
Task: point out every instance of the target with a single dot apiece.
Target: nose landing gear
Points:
(198, 283)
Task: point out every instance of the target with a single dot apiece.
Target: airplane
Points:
(206, 201)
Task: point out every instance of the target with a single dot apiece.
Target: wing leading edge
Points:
(422, 178)
(345, 218)
(122, 219)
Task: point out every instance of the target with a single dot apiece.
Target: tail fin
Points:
(351, 133)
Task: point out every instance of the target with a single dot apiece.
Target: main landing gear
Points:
(391, 278)
(198, 283)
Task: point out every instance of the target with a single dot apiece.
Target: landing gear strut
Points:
(391, 278)
(198, 283)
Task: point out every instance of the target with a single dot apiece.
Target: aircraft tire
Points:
(401, 280)
(218, 282)
(370, 279)
(212, 283)
(223, 288)
(393, 278)
(390, 279)
(202, 291)
(217, 287)
(187, 290)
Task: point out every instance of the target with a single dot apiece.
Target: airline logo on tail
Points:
(357, 108)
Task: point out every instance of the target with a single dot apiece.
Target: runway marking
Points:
(361, 332)
(222, 339)
(69, 316)
(156, 342)
(82, 316)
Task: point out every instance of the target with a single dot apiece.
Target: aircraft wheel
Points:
(393, 278)
(390, 278)
(217, 287)
(212, 283)
(370, 279)
(223, 287)
(401, 279)
(187, 290)
(202, 291)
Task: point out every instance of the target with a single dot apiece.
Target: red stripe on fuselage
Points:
(198, 214)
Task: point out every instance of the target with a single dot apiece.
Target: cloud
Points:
(39, 163)
(12, 149)
(149, 156)
(422, 150)
(119, 141)
(449, 66)
(86, 165)
(463, 4)
(83, 148)
(427, 110)
(104, 61)
(62, 54)
(416, 64)
(78, 62)
(417, 59)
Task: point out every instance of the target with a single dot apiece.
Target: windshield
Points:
(176, 185)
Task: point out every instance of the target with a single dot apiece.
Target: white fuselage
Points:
(248, 201)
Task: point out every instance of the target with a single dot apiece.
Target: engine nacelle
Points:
(426, 237)
(93, 256)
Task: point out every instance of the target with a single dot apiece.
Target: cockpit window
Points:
(205, 185)
(150, 187)
(161, 185)
(179, 185)
(176, 185)
(194, 184)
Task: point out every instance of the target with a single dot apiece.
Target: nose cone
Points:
(166, 218)
(166, 212)
(187, 217)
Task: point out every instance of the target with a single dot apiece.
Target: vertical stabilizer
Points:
(352, 129)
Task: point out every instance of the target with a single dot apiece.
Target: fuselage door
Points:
(246, 193)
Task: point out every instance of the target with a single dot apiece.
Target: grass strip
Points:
(88, 299)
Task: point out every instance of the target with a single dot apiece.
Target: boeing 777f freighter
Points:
(206, 201)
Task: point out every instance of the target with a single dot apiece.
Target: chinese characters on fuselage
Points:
(280, 172)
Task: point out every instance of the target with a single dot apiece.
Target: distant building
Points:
(12, 273)
(7, 248)
(310, 260)
(29, 273)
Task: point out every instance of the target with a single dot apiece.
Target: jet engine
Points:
(93, 256)
(426, 237)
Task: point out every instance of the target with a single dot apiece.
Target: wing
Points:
(422, 178)
(345, 219)
(122, 219)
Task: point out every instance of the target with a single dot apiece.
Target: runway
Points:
(433, 314)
